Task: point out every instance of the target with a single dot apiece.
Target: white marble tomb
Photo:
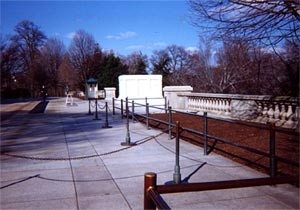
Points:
(140, 86)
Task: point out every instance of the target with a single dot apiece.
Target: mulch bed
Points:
(287, 145)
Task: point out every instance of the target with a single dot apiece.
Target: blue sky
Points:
(123, 26)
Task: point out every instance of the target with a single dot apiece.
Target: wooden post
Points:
(149, 183)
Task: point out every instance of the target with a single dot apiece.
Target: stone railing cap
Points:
(178, 88)
(243, 97)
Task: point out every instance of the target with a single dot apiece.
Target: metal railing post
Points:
(113, 106)
(96, 109)
(273, 162)
(149, 183)
(177, 175)
(170, 122)
(106, 125)
(126, 107)
(166, 105)
(147, 115)
(132, 111)
(205, 133)
(89, 113)
(122, 111)
(127, 138)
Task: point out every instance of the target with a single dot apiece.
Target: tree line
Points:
(30, 60)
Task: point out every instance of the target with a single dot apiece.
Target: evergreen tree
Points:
(111, 69)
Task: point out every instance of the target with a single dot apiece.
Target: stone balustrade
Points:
(281, 110)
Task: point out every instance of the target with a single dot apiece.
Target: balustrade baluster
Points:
(201, 104)
(215, 105)
(209, 105)
(259, 111)
(270, 113)
(205, 104)
(265, 113)
(289, 113)
(222, 108)
(282, 114)
(227, 107)
(198, 104)
(212, 107)
(276, 112)
(195, 103)
(277, 115)
(219, 108)
(290, 123)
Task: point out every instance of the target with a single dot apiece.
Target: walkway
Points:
(63, 159)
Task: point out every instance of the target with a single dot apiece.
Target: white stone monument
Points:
(110, 92)
(139, 87)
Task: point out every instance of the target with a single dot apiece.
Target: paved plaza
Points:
(63, 159)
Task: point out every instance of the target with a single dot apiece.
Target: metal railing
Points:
(152, 191)
(208, 137)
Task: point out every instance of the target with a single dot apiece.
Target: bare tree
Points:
(137, 63)
(270, 22)
(28, 41)
(9, 63)
(67, 75)
(203, 72)
(51, 58)
(81, 53)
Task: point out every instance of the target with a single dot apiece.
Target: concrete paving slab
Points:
(69, 203)
(36, 188)
(115, 202)
(114, 177)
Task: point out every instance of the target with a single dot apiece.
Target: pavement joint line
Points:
(127, 202)
(71, 167)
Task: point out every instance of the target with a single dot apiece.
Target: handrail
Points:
(219, 185)
(152, 191)
(157, 199)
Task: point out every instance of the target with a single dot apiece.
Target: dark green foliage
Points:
(141, 67)
(111, 69)
(161, 65)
